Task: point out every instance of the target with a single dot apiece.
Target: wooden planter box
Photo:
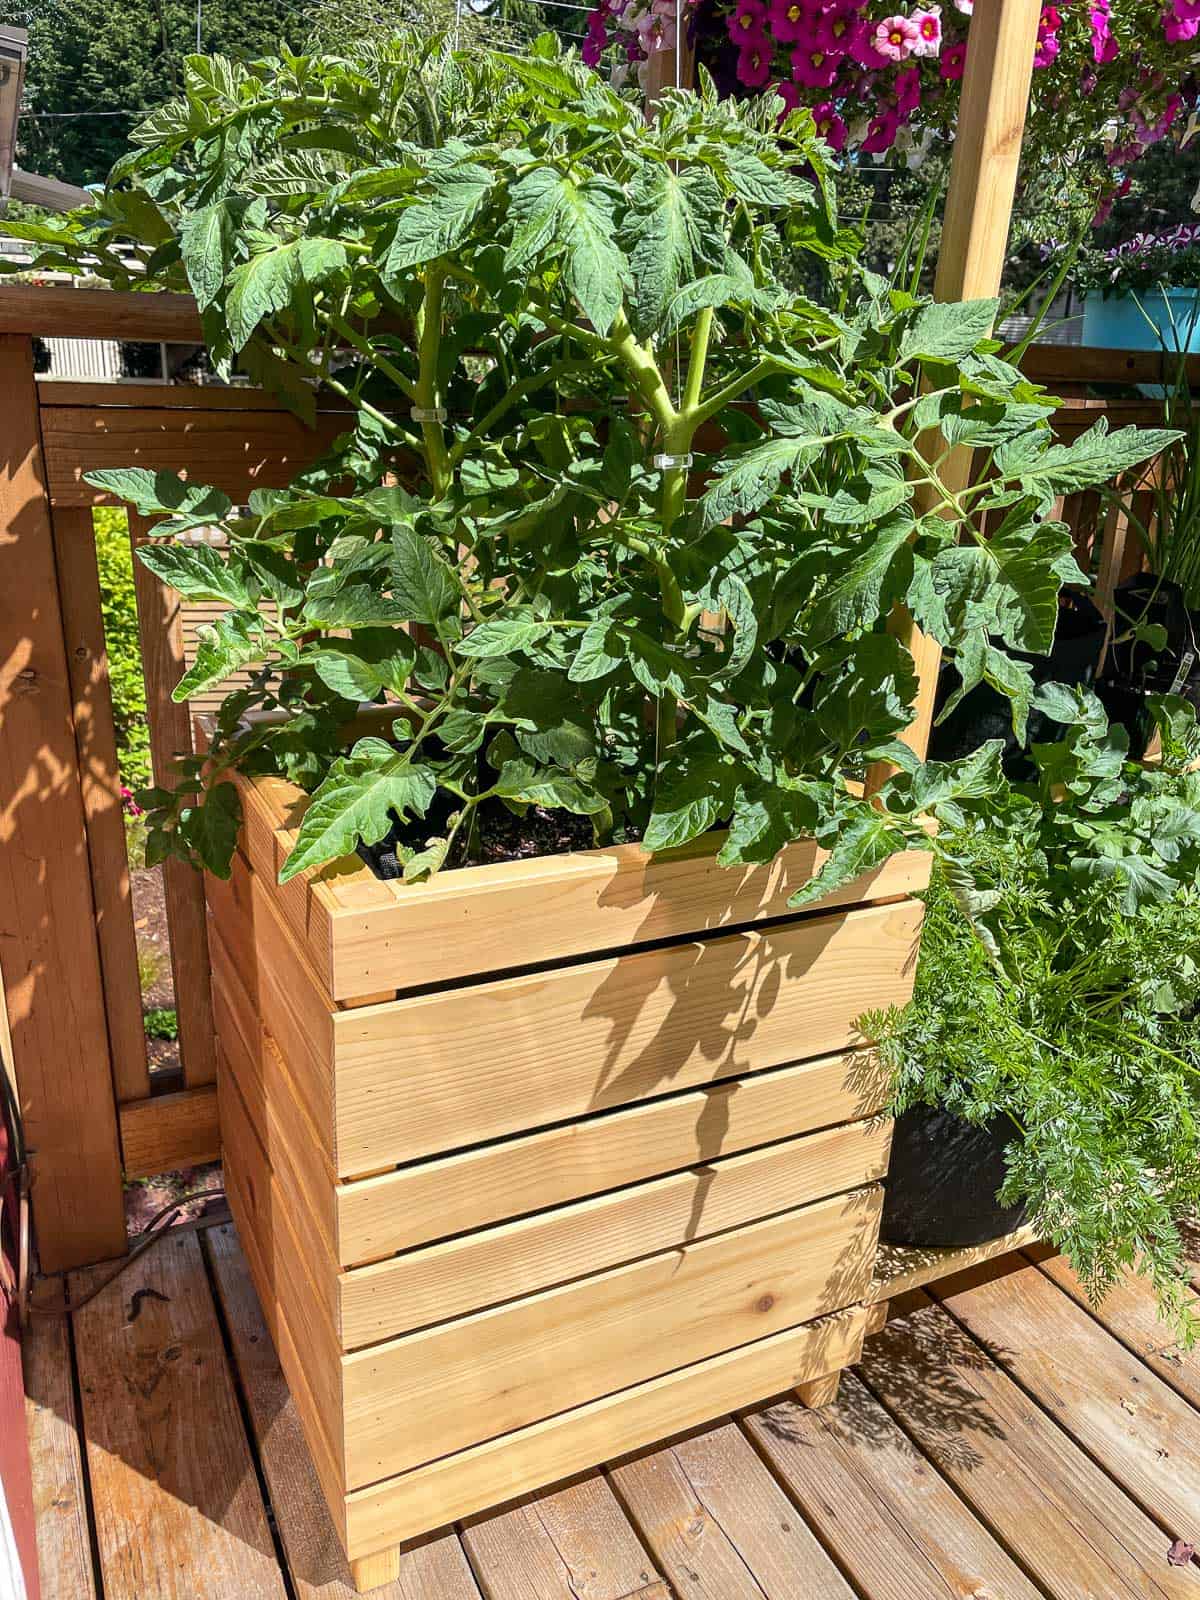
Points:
(542, 1162)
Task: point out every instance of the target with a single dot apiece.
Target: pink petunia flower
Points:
(816, 69)
(881, 132)
(597, 38)
(954, 60)
(1179, 30)
(748, 20)
(929, 31)
(907, 88)
(789, 92)
(790, 21)
(1047, 51)
(754, 63)
(839, 31)
(965, 6)
(1104, 46)
(894, 38)
(829, 125)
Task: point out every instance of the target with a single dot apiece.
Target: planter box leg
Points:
(372, 1572)
(819, 1392)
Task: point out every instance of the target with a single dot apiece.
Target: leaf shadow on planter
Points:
(722, 991)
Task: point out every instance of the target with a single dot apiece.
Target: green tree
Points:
(94, 67)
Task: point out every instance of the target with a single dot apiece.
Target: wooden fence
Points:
(93, 1110)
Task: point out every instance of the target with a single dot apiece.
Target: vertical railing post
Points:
(975, 228)
(48, 948)
(160, 624)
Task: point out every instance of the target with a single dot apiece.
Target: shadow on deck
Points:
(998, 1441)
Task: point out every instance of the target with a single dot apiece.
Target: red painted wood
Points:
(16, 1484)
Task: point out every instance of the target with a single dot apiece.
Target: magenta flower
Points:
(838, 31)
(1104, 46)
(907, 89)
(894, 39)
(747, 21)
(954, 59)
(597, 38)
(816, 69)
(790, 20)
(1046, 51)
(789, 92)
(1182, 23)
(829, 125)
(881, 132)
(929, 31)
(754, 63)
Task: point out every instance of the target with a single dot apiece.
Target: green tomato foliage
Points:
(618, 517)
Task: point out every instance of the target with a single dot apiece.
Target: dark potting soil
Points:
(499, 836)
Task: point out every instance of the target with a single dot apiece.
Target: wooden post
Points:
(160, 623)
(96, 744)
(975, 228)
(48, 946)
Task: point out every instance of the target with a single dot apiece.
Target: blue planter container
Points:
(1156, 319)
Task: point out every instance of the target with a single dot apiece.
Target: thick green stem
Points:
(427, 396)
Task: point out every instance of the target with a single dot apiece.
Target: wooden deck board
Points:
(436, 1570)
(59, 1495)
(178, 1514)
(1071, 1527)
(896, 1524)
(975, 1453)
(720, 1524)
(574, 1544)
(1126, 1418)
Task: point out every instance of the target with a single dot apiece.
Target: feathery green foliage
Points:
(1060, 964)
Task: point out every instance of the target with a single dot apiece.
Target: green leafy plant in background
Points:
(1057, 986)
(161, 1023)
(565, 331)
(118, 607)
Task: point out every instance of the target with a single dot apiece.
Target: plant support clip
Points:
(664, 462)
(429, 414)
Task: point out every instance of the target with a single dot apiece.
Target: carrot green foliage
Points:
(587, 415)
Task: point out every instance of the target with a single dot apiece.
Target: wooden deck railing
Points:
(92, 1108)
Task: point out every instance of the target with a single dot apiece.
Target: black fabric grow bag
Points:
(1134, 670)
(985, 714)
(942, 1181)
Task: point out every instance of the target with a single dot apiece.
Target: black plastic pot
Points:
(984, 714)
(1134, 670)
(942, 1181)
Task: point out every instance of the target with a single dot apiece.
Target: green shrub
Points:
(161, 1023)
(118, 607)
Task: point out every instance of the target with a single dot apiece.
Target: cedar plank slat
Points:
(237, 451)
(1068, 1525)
(721, 1525)
(470, 1273)
(457, 1384)
(52, 1426)
(52, 978)
(435, 1570)
(177, 1505)
(893, 1520)
(608, 1033)
(530, 1172)
(167, 1131)
(553, 1449)
(1127, 1419)
(100, 783)
(573, 1544)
